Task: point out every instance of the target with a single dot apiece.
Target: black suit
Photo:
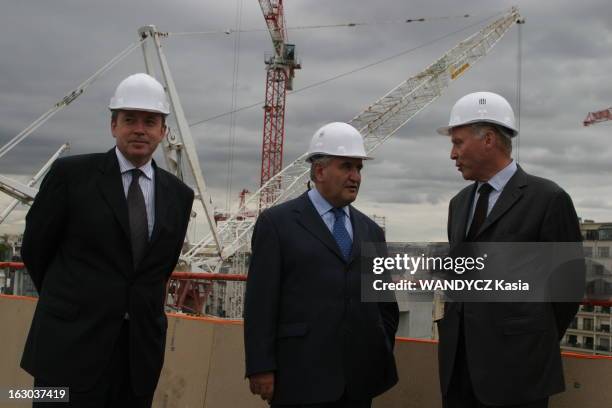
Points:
(76, 247)
(303, 316)
(511, 349)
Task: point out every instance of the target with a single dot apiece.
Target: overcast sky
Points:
(48, 48)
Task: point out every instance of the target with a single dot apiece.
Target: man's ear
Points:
(113, 126)
(490, 139)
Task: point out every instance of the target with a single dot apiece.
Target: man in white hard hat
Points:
(101, 240)
(309, 339)
(501, 354)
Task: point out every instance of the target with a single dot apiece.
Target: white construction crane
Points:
(25, 193)
(176, 145)
(181, 143)
(376, 123)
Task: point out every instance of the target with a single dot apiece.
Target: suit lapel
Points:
(161, 203)
(358, 234)
(111, 186)
(511, 193)
(310, 219)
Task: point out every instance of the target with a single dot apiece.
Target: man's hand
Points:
(262, 384)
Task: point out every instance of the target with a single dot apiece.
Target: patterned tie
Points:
(340, 233)
(137, 211)
(480, 213)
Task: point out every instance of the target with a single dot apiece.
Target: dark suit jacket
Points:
(76, 247)
(303, 316)
(512, 348)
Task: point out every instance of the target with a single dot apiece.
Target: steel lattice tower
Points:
(280, 68)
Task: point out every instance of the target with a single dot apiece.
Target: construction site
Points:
(253, 150)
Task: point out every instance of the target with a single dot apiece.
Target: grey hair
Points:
(503, 135)
(319, 159)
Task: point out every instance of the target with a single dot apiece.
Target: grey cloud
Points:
(595, 203)
(49, 47)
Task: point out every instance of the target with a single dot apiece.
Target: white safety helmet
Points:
(337, 139)
(481, 107)
(140, 92)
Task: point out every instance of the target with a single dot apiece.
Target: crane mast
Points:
(280, 70)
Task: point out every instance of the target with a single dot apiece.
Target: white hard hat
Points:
(337, 139)
(140, 92)
(481, 107)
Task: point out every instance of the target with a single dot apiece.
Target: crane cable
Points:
(519, 80)
(315, 27)
(68, 99)
(364, 67)
(234, 98)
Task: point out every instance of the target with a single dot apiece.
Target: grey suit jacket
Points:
(512, 348)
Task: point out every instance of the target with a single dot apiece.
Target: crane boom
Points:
(19, 197)
(376, 123)
(275, 20)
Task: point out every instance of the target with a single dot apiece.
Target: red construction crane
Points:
(599, 116)
(279, 78)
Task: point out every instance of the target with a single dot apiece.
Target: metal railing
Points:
(200, 293)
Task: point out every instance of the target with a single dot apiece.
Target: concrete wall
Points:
(415, 319)
(204, 367)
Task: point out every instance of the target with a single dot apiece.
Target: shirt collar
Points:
(125, 165)
(321, 204)
(499, 180)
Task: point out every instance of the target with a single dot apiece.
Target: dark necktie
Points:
(340, 233)
(480, 213)
(137, 211)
